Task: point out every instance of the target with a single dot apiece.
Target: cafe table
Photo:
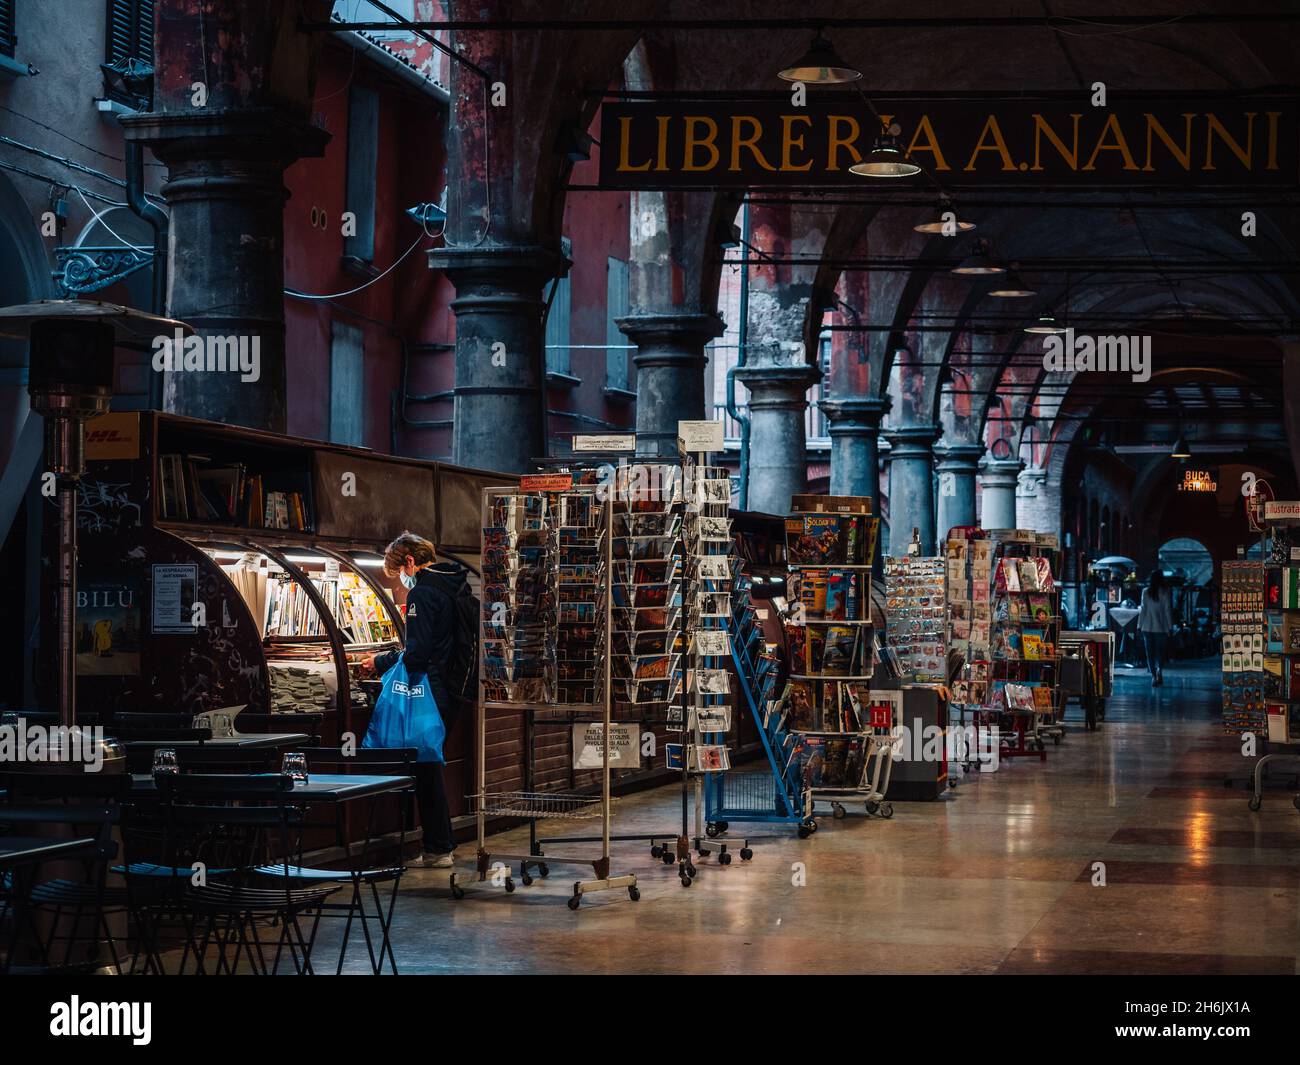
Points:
(251, 741)
(20, 856)
(337, 789)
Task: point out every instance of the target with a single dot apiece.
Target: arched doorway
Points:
(1190, 568)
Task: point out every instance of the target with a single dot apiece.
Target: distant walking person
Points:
(1155, 620)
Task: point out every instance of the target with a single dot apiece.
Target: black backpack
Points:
(462, 666)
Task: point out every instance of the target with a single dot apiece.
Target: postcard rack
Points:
(830, 542)
(545, 645)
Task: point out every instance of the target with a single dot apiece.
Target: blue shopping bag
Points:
(406, 715)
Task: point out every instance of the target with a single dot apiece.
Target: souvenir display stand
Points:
(1281, 659)
(1024, 678)
(839, 750)
(545, 644)
(968, 569)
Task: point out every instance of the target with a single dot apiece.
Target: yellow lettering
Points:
(1120, 145)
(662, 162)
(1071, 156)
(1184, 157)
(836, 142)
(931, 143)
(750, 142)
(999, 145)
(691, 142)
(788, 141)
(625, 134)
(1216, 127)
(1272, 139)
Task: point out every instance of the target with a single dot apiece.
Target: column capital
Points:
(670, 339)
(912, 441)
(856, 416)
(957, 457)
(241, 133)
(1000, 473)
(778, 387)
(534, 263)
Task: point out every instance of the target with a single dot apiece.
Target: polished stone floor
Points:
(998, 877)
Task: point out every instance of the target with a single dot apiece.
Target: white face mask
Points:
(408, 579)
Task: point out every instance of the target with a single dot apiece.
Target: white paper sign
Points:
(615, 442)
(624, 746)
(695, 437)
(174, 589)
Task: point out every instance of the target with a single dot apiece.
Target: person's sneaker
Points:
(437, 861)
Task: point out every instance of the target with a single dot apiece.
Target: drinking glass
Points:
(295, 765)
(164, 762)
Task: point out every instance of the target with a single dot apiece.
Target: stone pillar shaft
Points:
(998, 479)
(911, 487)
(498, 422)
(956, 469)
(778, 463)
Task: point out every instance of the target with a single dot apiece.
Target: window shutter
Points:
(616, 306)
(7, 38)
(130, 29)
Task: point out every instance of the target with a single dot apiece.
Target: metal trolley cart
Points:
(879, 742)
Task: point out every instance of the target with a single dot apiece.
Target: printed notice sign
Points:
(624, 746)
(546, 482)
(612, 442)
(174, 591)
(696, 437)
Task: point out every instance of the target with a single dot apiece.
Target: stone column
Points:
(855, 454)
(778, 463)
(669, 374)
(225, 193)
(498, 421)
(911, 486)
(956, 467)
(998, 479)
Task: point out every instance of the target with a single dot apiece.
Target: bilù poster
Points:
(624, 746)
(107, 631)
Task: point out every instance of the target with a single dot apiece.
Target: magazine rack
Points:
(547, 557)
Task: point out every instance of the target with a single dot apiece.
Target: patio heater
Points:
(70, 379)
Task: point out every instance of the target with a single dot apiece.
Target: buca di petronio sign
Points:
(1245, 141)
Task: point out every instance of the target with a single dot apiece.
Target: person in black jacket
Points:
(430, 631)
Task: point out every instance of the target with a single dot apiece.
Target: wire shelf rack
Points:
(540, 804)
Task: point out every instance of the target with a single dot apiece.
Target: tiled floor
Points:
(997, 877)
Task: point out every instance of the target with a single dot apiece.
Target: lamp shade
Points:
(945, 226)
(820, 65)
(978, 264)
(886, 160)
(1045, 326)
(1181, 450)
(1012, 287)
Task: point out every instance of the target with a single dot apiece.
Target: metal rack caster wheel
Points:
(691, 871)
(525, 878)
(804, 831)
(633, 893)
(1056, 740)
(723, 826)
(838, 812)
(887, 811)
(1296, 802)
(543, 870)
(656, 851)
(746, 854)
(873, 807)
(1255, 802)
(952, 785)
(510, 885)
(712, 829)
(724, 858)
(457, 892)
(686, 881)
(668, 859)
(574, 902)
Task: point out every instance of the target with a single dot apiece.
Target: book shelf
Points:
(836, 751)
(1024, 665)
(1281, 639)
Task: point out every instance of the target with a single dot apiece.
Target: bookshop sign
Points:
(1018, 142)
